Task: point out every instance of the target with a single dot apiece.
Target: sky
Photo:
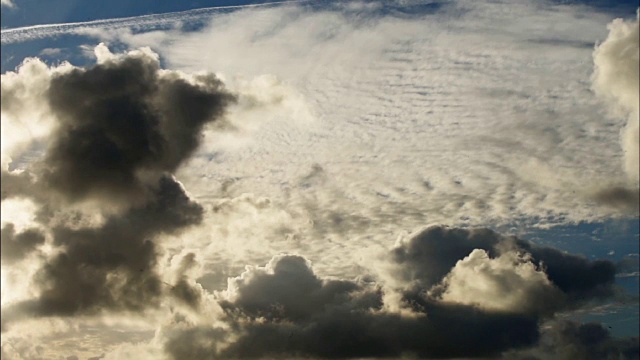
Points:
(407, 179)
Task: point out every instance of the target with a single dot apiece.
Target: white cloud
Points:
(352, 127)
(25, 112)
(51, 51)
(7, 3)
(509, 282)
(470, 115)
(445, 116)
(616, 79)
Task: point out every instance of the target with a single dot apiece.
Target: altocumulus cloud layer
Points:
(128, 222)
(460, 112)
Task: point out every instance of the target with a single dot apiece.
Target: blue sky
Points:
(33, 12)
(349, 148)
(60, 11)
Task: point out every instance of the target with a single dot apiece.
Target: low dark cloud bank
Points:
(570, 340)
(286, 310)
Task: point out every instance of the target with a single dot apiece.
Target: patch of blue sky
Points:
(52, 51)
(34, 12)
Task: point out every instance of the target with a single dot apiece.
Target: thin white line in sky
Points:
(19, 34)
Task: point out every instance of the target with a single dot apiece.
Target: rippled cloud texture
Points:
(263, 187)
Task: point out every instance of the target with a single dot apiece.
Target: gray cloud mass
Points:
(122, 119)
(123, 126)
(114, 233)
(16, 245)
(284, 309)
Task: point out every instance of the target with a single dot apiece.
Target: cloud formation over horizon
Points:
(284, 309)
(234, 192)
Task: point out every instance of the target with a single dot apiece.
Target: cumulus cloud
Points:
(616, 79)
(285, 309)
(491, 265)
(120, 128)
(287, 289)
(489, 303)
(7, 3)
(372, 122)
(119, 122)
(507, 283)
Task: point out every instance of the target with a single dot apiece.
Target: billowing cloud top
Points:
(118, 123)
(475, 287)
(134, 197)
(118, 130)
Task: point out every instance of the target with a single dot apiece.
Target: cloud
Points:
(425, 258)
(284, 309)
(145, 23)
(185, 288)
(121, 128)
(490, 265)
(619, 197)
(491, 304)
(510, 282)
(7, 3)
(287, 289)
(16, 246)
(396, 105)
(616, 80)
(124, 119)
(565, 340)
(51, 51)
(112, 130)
(337, 128)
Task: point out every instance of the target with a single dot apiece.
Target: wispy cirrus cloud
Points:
(143, 23)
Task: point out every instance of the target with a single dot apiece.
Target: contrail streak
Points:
(144, 22)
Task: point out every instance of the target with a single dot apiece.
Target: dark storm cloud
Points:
(16, 246)
(123, 126)
(427, 257)
(568, 340)
(286, 310)
(15, 184)
(112, 267)
(122, 121)
(579, 278)
(337, 334)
